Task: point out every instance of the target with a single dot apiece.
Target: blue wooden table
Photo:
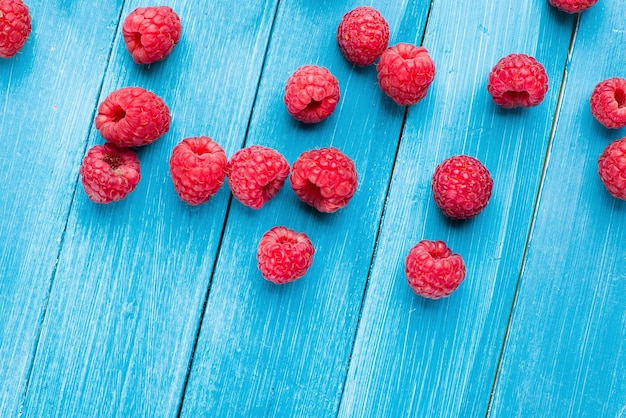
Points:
(150, 307)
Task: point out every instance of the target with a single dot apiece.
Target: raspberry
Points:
(109, 173)
(15, 27)
(284, 255)
(324, 178)
(256, 174)
(433, 270)
(150, 33)
(518, 80)
(404, 73)
(608, 103)
(573, 6)
(461, 187)
(311, 94)
(132, 116)
(612, 168)
(198, 167)
(362, 35)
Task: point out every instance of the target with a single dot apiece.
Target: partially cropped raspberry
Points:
(132, 116)
(433, 270)
(608, 103)
(461, 187)
(573, 6)
(311, 94)
(612, 168)
(518, 80)
(405, 72)
(256, 174)
(109, 173)
(150, 33)
(198, 167)
(284, 255)
(324, 178)
(15, 26)
(362, 35)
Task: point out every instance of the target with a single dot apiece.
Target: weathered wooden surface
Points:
(150, 307)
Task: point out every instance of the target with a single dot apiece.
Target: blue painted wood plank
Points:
(132, 277)
(267, 350)
(47, 95)
(419, 357)
(565, 354)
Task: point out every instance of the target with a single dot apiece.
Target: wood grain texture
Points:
(150, 307)
(566, 351)
(267, 350)
(132, 277)
(419, 357)
(47, 95)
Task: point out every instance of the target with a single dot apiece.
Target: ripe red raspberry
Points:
(109, 173)
(608, 103)
(405, 72)
(132, 116)
(311, 94)
(324, 178)
(256, 174)
(612, 168)
(284, 255)
(573, 6)
(518, 80)
(198, 167)
(433, 270)
(150, 33)
(461, 187)
(362, 35)
(15, 27)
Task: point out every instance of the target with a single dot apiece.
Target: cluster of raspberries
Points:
(325, 178)
(404, 71)
(461, 185)
(131, 116)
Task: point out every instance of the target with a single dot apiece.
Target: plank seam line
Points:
(378, 231)
(534, 212)
(223, 232)
(263, 63)
(179, 409)
(67, 216)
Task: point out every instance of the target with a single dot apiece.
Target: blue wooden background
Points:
(150, 307)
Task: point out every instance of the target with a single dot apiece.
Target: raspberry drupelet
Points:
(518, 80)
(311, 94)
(284, 255)
(197, 167)
(461, 187)
(256, 174)
(608, 103)
(405, 72)
(362, 35)
(132, 116)
(109, 173)
(324, 178)
(15, 27)
(151, 33)
(433, 270)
